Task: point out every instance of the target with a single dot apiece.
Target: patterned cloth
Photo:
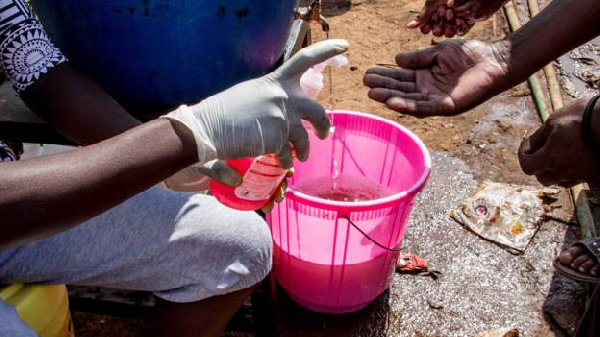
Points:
(6, 153)
(26, 52)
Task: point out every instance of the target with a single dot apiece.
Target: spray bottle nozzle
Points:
(312, 80)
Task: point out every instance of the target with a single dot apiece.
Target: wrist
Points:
(187, 121)
(595, 125)
(589, 126)
(496, 69)
(503, 52)
(187, 149)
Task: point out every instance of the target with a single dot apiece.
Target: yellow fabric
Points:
(44, 308)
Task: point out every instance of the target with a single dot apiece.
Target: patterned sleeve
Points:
(26, 52)
(6, 153)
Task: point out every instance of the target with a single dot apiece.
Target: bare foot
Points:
(581, 260)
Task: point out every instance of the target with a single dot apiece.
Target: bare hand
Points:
(447, 79)
(557, 154)
(441, 18)
(453, 17)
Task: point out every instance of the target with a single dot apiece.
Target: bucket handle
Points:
(370, 238)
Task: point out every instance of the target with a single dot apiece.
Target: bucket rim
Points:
(377, 203)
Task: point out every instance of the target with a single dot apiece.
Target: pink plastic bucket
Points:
(321, 258)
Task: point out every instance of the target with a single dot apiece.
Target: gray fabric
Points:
(183, 247)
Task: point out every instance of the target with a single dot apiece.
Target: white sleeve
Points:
(26, 52)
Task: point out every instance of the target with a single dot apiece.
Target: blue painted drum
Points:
(169, 52)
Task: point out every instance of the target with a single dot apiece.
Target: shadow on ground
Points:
(275, 314)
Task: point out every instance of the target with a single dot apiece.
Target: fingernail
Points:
(413, 24)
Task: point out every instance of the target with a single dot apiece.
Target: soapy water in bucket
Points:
(365, 272)
(343, 188)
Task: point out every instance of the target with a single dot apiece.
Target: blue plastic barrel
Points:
(169, 51)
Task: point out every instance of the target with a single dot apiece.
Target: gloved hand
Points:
(263, 115)
(196, 178)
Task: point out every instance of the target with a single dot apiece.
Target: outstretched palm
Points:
(446, 79)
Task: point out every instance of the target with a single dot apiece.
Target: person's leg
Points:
(590, 324)
(185, 248)
(580, 259)
(203, 318)
(11, 324)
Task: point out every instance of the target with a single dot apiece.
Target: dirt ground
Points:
(482, 142)
(375, 30)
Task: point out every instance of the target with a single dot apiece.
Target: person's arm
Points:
(45, 195)
(457, 75)
(71, 102)
(560, 27)
(76, 106)
(557, 153)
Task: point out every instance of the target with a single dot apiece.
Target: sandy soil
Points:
(375, 29)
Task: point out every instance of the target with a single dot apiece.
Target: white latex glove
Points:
(263, 115)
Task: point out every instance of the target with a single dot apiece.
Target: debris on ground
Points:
(502, 332)
(414, 264)
(411, 263)
(508, 215)
(580, 69)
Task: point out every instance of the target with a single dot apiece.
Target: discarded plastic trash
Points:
(410, 263)
(508, 215)
(416, 265)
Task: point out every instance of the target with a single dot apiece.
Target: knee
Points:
(237, 247)
(255, 243)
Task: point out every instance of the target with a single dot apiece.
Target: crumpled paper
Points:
(508, 215)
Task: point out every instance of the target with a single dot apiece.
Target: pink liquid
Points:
(343, 188)
(355, 277)
(337, 288)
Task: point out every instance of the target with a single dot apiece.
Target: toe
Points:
(587, 266)
(581, 260)
(568, 256)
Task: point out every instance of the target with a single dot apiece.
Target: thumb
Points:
(220, 171)
(312, 55)
(532, 154)
(537, 140)
(418, 59)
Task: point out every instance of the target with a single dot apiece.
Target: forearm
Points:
(560, 27)
(45, 195)
(76, 106)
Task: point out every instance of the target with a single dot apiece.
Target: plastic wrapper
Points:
(508, 215)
